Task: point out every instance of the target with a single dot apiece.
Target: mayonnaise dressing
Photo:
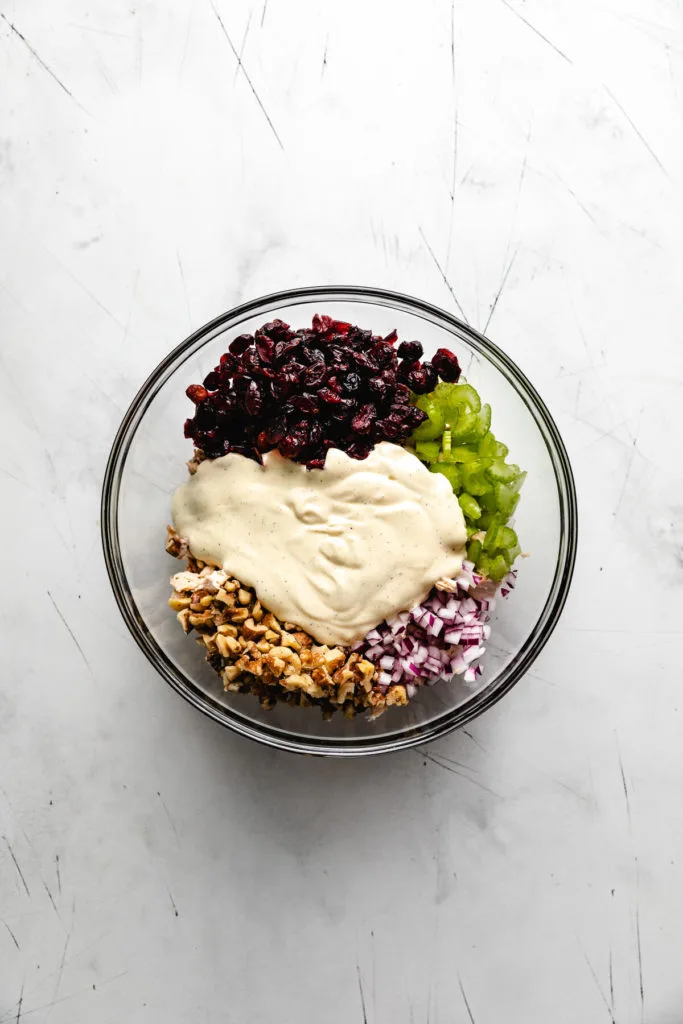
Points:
(334, 550)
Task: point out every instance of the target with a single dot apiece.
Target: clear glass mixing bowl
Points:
(147, 463)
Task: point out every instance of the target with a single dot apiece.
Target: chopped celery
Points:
(487, 447)
(491, 538)
(498, 568)
(460, 454)
(474, 551)
(432, 427)
(503, 472)
(428, 451)
(507, 538)
(474, 479)
(450, 471)
(469, 505)
(456, 396)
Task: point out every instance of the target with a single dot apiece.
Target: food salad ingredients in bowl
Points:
(346, 522)
(350, 579)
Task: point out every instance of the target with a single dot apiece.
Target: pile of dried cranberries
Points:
(329, 386)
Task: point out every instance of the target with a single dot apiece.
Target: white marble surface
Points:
(154, 867)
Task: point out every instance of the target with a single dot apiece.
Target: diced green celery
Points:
(449, 470)
(491, 538)
(512, 553)
(460, 454)
(469, 505)
(465, 425)
(502, 450)
(485, 519)
(474, 551)
(474, 479)
(471, 529)
(498, 568)
(489, 501)
(507, 538)
(457, 396)
(503, 473)
(516, 484)
(428, 451)
(506, 499)
(432, 427)
(484, 420)
(483, 564)
(487, 446)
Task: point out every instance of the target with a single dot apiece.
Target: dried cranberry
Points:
(314, 374)
(431, 375)
(188, 429)
(415, 417)
(265, 347)
(358, 450)
(446, 365)
(392, 337)
(351, 383)
(305, 404)
(410, 350)
(379, 389)
(240, 344)
(212, 380)
(329, 397)
(363, 420)
(285, 348)
(196, 393)
(253, 399)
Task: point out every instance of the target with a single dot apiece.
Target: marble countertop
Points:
(518, 161)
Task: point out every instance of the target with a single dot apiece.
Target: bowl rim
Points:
(413, 735)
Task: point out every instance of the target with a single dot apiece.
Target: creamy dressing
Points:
(334, 550)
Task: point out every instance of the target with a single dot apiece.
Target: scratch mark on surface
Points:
(12, 935)
(625, 785)
(475, 740)
(59, 874)
(597, 983)
(71, 634)
(500, 291)
(461, 775)
(638, 132)
(61, 968)
(629, 466)
(182, 277)
(54, 905)
(20, 1004)
(324, 68)
(246, 73)
(611, 985)
(639, 949)
(170, 819)
(443, 276)
(534, 29)
(16, 864)
(263, 12)
(465, 1000)
(242, 46)
(362, 995)
(170, 896)
(42, 63)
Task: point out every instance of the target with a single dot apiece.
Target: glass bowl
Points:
(147, 463)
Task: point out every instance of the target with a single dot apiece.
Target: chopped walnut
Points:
(256, 653)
